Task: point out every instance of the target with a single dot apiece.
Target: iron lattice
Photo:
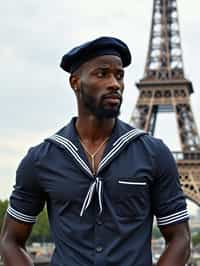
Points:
(164, 88)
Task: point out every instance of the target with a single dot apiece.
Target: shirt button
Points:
(99, 249)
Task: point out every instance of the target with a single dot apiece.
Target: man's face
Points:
(101, 86)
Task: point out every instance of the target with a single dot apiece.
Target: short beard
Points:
(98, 110)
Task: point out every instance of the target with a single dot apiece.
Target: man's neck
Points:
(92, 129)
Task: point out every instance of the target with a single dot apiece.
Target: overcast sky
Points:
(36, 99)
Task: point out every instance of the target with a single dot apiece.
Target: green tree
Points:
(3, 208)
(41, 230)
(156, 233)
(196, 239)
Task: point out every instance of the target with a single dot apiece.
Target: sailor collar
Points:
(67, 139)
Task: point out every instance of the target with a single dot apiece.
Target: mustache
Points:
(116, 94)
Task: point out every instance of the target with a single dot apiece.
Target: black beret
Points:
(98, 47)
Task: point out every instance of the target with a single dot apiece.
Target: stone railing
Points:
(178, 155)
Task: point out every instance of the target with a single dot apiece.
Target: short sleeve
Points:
(27, 198)
(169, 203)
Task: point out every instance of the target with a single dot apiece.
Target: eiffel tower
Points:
(164, 88)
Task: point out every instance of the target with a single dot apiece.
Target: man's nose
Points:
(114, 83)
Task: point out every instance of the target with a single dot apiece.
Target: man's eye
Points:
(120, 76)
(101, 74)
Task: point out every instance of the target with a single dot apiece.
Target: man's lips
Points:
(113, 98)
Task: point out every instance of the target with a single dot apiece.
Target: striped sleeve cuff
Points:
(173, 218)
(20, 216)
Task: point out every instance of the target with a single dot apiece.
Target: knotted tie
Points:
(96, 186)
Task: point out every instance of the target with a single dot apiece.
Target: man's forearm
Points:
(13, 255)
(176, 253)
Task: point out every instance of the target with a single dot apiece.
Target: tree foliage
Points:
(196, 239)
(3, 208)
(156, 233)
(40, 232)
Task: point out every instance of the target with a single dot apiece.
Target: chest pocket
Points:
(133, 197)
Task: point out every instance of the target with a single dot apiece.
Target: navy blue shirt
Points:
(102, 220)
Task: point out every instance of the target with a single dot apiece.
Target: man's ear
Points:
(74, 82)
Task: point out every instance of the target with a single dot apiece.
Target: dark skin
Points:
(12, 245)
(99, 77)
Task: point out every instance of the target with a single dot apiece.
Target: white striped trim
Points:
(99, 190)
(132, 183)
(171, 219)
(178, 216)
(67, 140)
(118, 145)
(67, 144)
(20, 216)
(175, 220)
(172, 215)
(127, 134)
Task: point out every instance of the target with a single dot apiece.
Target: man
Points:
(102, 180)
